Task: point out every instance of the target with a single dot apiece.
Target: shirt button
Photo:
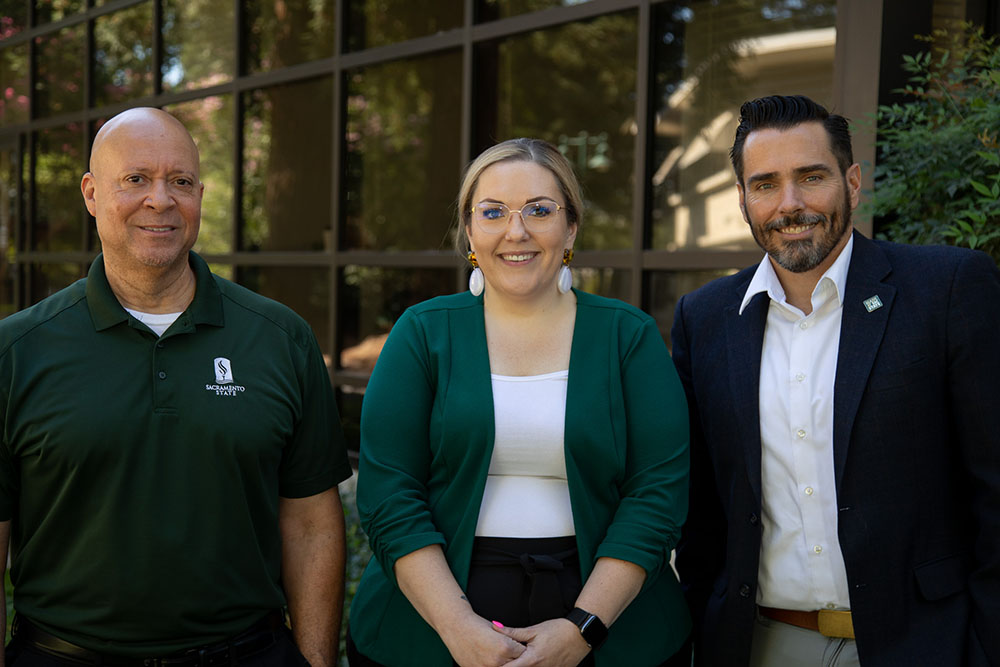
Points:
(809, 490)
(744, 591)
(830, 605)
(161, 375)
(754, 519)
(159, 344)
(800, 377)
(818, 549)
(803, 325)
(801, 433)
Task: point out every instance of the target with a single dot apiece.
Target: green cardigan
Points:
(426, 442)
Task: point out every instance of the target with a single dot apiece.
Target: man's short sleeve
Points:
(315, 458)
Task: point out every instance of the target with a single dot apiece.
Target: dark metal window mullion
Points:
(338, 120)
(468, 83)
(640, 163)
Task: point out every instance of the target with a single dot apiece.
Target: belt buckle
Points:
(835, 623)
(208, 657)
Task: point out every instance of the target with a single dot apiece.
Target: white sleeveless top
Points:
(527, 494)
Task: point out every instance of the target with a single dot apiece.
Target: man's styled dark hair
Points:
(781, 112)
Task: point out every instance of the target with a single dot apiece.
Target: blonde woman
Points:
(524, 459)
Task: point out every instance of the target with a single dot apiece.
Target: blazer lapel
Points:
(744, 342)
(867, 304)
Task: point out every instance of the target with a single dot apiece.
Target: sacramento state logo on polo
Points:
(224, 385)
(223, 371)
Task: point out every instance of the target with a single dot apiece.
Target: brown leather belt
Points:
(827, 622)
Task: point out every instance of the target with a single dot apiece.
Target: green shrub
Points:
(358, 554)
(938, 173)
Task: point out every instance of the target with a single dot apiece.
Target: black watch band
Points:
(593, 630)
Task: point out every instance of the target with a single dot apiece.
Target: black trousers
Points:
(521, 582)
(283, 653)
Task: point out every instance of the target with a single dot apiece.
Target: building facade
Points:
(333, 133)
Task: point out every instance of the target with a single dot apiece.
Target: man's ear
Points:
(87, 187)
(853, 179)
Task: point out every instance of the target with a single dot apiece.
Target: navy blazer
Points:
(916, 447)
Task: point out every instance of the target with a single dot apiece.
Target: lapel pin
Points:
(873, 303)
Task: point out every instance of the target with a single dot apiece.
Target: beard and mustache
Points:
(801, 255)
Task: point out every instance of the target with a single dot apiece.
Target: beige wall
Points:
(855, 82)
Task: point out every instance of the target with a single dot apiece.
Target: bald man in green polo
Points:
(170, 445)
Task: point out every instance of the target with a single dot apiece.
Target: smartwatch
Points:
(593, 630)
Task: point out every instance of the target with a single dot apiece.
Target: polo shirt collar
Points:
(106, 311)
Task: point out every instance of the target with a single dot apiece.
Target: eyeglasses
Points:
(537, 216)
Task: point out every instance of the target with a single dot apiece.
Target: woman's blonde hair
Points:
(526, 150)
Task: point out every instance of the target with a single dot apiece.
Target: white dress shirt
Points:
(801, 564)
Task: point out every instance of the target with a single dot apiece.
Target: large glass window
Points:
(10, 170)
(665, 288)
(59, 76)
(371, 300)
(306, 290)
(13, 17)
(374, 23)
(573, 86)
(489, 10)
(403, 160)
(59, 208)
(198, 44)
(210, 122)
(123, 61)
(47, 279)
(708, 59)
(14, 91)
(280, 34)
(287, 167)
(47, 11)
(605, 282)
(333, 136)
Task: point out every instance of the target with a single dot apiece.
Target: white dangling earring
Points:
(476, 280)
(565, 281)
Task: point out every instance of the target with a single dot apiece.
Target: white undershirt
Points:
(158, 322)
(526, 490)
(801, 563)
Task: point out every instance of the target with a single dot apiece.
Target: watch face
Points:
(593, 630)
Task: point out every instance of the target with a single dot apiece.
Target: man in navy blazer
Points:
(845, 426)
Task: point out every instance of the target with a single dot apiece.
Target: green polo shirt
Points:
(142, 474)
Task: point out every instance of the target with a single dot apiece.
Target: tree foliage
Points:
(938, 173)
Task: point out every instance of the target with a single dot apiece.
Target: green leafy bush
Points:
(358, 554)
(938, 173)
